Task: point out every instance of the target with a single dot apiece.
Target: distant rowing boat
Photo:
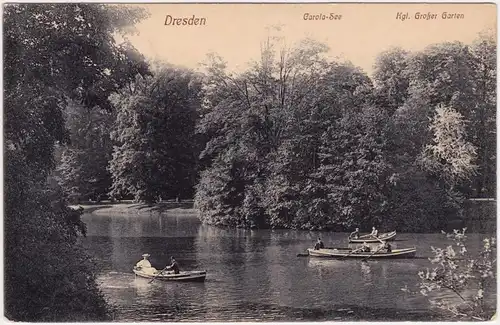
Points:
(370, 239)
(347, 253)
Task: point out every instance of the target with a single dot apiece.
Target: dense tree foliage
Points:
(391, 79)
(156, 151)
(82, 171)
(266, 130)
(53, 53)
(354, 167)
(482, 118)
(298, 141)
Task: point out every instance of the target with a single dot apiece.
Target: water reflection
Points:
(252, 274)
(366, 272)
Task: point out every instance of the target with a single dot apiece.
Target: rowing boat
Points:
(144, 269)
(347, 253)
(182, 276)
(370, 239)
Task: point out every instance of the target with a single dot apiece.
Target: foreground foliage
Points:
(470, 278)
(53, 54)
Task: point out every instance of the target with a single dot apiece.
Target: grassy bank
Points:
(478, 217)
(129, 208)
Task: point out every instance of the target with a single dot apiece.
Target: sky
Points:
(236, 31)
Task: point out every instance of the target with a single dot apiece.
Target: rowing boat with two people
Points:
(144, 269)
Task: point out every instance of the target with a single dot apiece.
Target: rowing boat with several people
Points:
(350, 253)
(373, 239)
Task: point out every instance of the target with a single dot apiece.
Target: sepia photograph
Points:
(249, 162)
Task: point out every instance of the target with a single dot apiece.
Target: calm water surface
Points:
(252, 274)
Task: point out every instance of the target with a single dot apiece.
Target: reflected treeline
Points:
(170, 224)
(235, 261)
(119, 241)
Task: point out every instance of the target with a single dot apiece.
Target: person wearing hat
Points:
(174, 266)
(144, 264)
(319, 244)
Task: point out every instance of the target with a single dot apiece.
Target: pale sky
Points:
(235, 31)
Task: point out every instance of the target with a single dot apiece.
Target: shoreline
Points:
(183, 208)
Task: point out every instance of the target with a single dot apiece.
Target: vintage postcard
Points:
(264, 162)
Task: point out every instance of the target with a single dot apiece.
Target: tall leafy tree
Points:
(82, 169)
(252, 114)
(391, 79)
(274, 115)
(52, 52)
(156, 149)
(441, 75)
(450, 156)
(482, 120)
(355, 169)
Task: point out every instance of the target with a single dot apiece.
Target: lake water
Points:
(253, 275)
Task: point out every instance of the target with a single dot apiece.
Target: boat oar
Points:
(352, 252)
(375, 252)
(158, 274)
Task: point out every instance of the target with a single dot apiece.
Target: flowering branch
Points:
(457, 272)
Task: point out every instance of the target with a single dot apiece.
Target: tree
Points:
(463, 77)
(354, 167)
(324, 146)
(274, 115)
(156, 149)
(251, 115)
(52, 52)
(391, 79)
(449, 155)
(220, 192)
(482, 125)
(441, 75)
(82, 170)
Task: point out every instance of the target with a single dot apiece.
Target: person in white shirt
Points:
(144, 265)
(355, 234)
